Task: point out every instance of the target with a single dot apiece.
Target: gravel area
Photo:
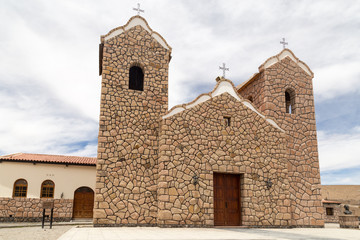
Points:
(33, 233)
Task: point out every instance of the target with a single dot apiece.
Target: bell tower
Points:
(283, 90)
(134, 62)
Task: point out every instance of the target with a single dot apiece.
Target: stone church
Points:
(238, 155)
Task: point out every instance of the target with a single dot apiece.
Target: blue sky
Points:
(50, 88)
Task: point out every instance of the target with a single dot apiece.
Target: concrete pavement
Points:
(64, 231)
(38, 224)
(151, 233)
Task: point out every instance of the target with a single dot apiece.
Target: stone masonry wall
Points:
(197, 142)
(336, 210)
(303, 160)
(30, 209)
(256, 91)
(126, 180)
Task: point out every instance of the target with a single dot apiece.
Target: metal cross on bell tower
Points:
(223, 68)
(284, 43)
(138, 9)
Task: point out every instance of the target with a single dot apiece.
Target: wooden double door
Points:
(83, 203)
(227, 208)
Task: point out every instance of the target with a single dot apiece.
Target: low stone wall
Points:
(336, 211)
(30, 209)
(349, 222)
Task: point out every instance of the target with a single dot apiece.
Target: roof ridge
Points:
(58, 155)
(118, 30)
(247, 82)
(49, 159)
(10, 155)
(280, 56)
(181, 107)
(43, 154)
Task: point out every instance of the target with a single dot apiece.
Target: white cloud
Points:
(339, 151)
(54, 44)
(33, 121)
(89, 150)
(347, 176)
(337, 79)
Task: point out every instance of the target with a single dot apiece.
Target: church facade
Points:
(244, 155)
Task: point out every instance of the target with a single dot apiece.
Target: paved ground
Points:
(33, 233)
(28, 231)
(137, 233)
(38, 224)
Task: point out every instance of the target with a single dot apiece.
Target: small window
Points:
(47, 189)
(227, 121)
(290, 101)
(329, 211)
(250, 98)
(136, 78)
(20, 188)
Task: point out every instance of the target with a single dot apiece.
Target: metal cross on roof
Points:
(138, 9)
(224, 69)
(284, 43)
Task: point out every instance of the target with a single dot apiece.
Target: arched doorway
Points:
(83, 203)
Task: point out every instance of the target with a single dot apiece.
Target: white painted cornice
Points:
(223, 86)
(133, 22)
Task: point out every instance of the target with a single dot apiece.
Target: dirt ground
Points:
(33, 233)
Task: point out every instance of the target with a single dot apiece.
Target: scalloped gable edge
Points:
(135, 21)
(223, 86)
(283, 54)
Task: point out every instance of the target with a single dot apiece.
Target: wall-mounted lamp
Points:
(268, 183)
(195, 179)
(62, 195)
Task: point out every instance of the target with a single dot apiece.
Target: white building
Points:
(27, 180)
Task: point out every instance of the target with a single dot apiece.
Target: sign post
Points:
(47, 205)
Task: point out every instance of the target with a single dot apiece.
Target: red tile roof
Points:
(44, 158)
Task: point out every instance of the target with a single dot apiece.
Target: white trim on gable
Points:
(201, 99)
(270, 62)
(225, 87)
(160, 40)
(114, 34)
(174, 111)
(137, 21)
(222, 87)
(283, 54)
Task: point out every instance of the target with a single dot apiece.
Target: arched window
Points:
(290, 101)
(136, 78)
(250, 98)
(47, 189)
(20, 188)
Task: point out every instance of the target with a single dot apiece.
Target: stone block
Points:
(165, 215)
(349, 221)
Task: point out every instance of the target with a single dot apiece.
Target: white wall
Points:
(66, 178)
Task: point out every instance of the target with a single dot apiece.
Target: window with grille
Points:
(47, 189)
(329, 211)
(20, 188)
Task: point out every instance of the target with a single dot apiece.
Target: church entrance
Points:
(227, 211)
(83, 203)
